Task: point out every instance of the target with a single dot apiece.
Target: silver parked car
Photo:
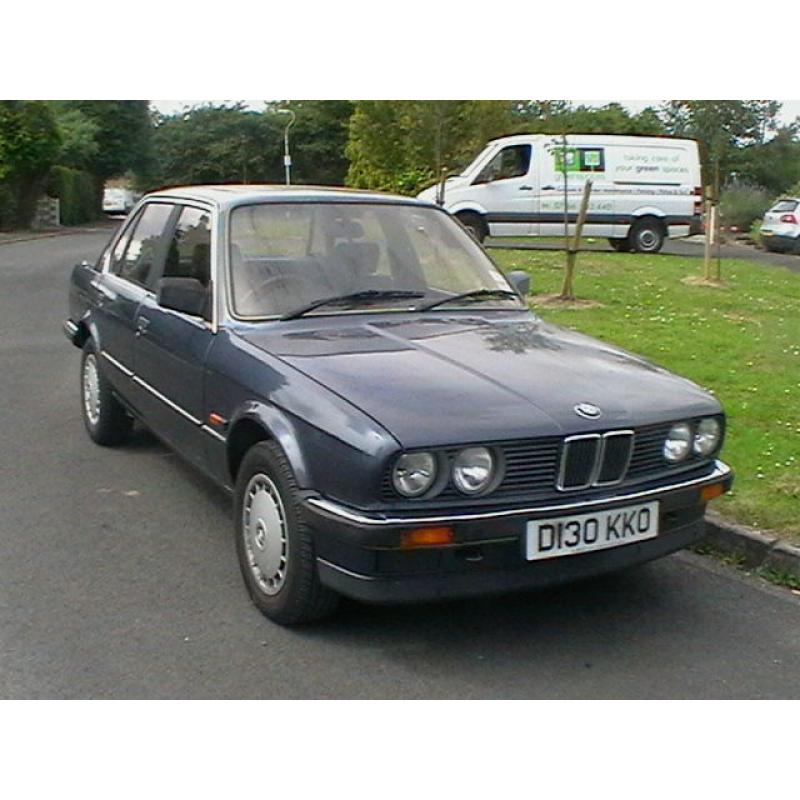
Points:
(780, 229)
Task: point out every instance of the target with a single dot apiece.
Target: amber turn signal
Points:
(710, 492)
(426, 537)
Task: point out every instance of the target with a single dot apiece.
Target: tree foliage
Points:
(722, 127)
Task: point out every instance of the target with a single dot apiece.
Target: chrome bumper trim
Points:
(337, 511)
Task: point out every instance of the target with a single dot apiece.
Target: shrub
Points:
(755, 232)
(8, 207)
(740, 204)
(77, 194)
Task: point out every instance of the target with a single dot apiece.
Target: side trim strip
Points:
(211, 432)
(174, 406)
(121, 367)
(167, 401)
(337, 511)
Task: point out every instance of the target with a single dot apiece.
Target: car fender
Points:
(648, 211)
(277, 426)
(465, 205)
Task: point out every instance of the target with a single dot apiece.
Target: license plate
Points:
(583, 533)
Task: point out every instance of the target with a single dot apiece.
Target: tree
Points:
(558, 116)
(122, 131)
(403, 145)
(78, 134)
(775, 165)
(29, 145)
(721, 127)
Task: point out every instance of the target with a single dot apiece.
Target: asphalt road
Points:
(118, 578)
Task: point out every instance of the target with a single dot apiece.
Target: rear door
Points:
(506, 188)
(171, 347)
(128, 277)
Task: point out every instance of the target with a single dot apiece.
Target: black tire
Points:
(292, 593)
(620, 245)
(474, 223)
(105, 418)
(646, 235)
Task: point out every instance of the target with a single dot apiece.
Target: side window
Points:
(189, 251)
(511, 162)
(140, 263)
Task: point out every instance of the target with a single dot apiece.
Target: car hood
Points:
(439, 379)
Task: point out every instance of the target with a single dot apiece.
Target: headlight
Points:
(678, 443)
(473, 470)
(706, 438)
(414, 473)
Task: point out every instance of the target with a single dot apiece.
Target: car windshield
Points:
(286, 256)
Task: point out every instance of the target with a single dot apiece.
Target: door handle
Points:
(142, 324)
(526, 188)
(548, 188)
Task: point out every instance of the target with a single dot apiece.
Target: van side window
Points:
(511, 162)
(189, 251)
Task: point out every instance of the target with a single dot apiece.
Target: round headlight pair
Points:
(681, 440)
(414, 474)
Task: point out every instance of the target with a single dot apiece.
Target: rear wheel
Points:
(274, 545)
(646, 235)
(474, 223)
(106, 420)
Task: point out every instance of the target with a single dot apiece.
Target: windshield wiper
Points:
(366, 296)
(475, 294)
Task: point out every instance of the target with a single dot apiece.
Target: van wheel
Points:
(273, 543)
(474, 223)
(646, 235)
(620, 245)
(107, 422)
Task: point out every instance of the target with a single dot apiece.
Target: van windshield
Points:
(287, 255)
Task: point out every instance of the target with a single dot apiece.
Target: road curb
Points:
(756, 548)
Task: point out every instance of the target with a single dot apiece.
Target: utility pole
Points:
(287, 158)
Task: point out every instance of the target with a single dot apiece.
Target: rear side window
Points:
(784, 206)
(189, 251)
(141, 261)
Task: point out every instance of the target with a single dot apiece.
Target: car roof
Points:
(230, 195)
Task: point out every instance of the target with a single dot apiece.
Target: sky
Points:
(790, 110)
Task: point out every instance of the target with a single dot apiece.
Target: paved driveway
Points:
(118, 578)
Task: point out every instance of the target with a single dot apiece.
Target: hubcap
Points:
(648, 239)
(91, 390)
(264, 529)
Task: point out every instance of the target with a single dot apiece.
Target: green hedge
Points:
(77, 194)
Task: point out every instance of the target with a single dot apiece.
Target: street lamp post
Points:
(287, 159)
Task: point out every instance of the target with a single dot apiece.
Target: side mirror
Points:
(521, 282)
(183, 294)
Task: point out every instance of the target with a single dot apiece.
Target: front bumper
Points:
(358, 553)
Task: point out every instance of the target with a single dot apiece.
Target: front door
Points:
(506, 188)
(170, 349)
(119, 290)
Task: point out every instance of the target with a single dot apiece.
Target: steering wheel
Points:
(266, 286)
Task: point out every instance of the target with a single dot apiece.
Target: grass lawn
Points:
(741, 342)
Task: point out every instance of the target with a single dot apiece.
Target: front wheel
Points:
(646, 235)
(475, 224)
(106, 420)
(274, 545)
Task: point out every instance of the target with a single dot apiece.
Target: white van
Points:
(644, 188)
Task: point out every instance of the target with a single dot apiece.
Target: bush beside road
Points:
(742, 342)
